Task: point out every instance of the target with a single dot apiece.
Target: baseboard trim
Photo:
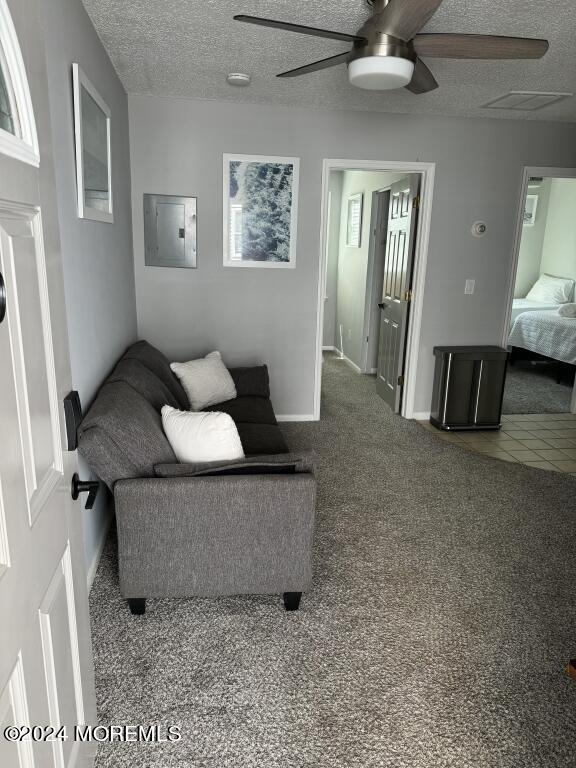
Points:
(329, 349)
(98, 554)
(352, 364)
(421, 415)
(296, 417)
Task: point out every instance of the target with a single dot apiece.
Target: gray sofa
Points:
(242, 527)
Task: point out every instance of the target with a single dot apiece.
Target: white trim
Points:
(421, 415)
(295, 163)
(427, 171)
(84, 211)
(295, 417)
(352, 364)
(25, 146)
(546, 173)
(93, 567)
(329, 349)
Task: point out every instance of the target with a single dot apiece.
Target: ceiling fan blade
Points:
(316, 65)
(303, 30)
(447, 46)
(423, 81)
(405, 18)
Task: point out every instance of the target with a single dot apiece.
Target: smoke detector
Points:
(239, 79)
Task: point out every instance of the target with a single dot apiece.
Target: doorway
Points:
(540, 331)
(375, 227)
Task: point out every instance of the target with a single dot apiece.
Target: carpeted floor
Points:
(435, 635)
(533, 389)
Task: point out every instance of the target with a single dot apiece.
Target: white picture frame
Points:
(530, 209)
(93, 150)
(241, 174)
(354, 220)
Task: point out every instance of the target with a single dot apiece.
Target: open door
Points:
(46, 675)
(396, 295)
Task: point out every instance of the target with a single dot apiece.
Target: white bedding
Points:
(546, 333)
(527, 305)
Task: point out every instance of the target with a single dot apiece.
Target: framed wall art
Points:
(354, 221)
(93, 161)
(260, 211)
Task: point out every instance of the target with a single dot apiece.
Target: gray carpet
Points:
(435, 636)
(533, 389)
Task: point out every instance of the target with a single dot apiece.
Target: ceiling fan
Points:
(387, 48)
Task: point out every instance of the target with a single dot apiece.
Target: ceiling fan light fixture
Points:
(380, 73)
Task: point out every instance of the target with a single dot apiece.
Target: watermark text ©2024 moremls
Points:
(152, 734)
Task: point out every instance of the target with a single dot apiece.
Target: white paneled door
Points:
(46, 676)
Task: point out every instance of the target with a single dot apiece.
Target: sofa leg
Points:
(137, 605)
(292, 600)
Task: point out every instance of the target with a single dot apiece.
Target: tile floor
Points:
(546, 441)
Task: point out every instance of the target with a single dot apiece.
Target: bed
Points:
(545, 333)
(528, 305)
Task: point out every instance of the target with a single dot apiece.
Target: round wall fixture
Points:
(479, 229)
(238, 79)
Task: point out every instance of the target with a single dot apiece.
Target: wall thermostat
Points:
(479, 228)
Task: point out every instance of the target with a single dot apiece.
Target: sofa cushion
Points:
(144, 381)
(286, 463)
(121, 436)
(250, 410)
(251, 381)
(261, 438)
(155, 361)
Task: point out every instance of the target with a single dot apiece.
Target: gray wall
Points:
(530, 256)
(559, 247)
(270, 315)
(353, 262)
(97, 258)
(330, 338)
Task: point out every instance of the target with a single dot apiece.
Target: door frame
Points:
(527, 172)
(427, 172)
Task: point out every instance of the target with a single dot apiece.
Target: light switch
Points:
(469, 287)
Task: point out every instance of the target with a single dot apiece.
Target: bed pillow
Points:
(567, 310)
(199, 437)
(206, 381)
(552, 290)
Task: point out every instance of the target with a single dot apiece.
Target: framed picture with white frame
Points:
(530, 210)
(260, 211)
(354, 221)
(92, 122)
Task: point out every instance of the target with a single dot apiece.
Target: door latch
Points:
(2, 298)
(84, 486)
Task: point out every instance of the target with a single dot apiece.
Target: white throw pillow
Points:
(206, 381)
(197, 437)
(552, 290)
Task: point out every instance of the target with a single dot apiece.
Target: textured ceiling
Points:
(185, 48)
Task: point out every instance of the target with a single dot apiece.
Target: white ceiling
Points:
(185, 48)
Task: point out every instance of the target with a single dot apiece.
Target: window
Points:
(236, 232)
(7, 115)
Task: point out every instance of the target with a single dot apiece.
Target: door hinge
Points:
(408, 296)
(416, 203)
(401, 381)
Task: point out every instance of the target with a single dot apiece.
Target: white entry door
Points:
(46, 676)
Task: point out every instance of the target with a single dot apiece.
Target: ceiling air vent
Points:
(526, 101)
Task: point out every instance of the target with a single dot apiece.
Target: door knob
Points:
(84, 486)
(2, 298)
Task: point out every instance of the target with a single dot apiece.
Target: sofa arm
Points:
(280, 463)
(209, 536)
